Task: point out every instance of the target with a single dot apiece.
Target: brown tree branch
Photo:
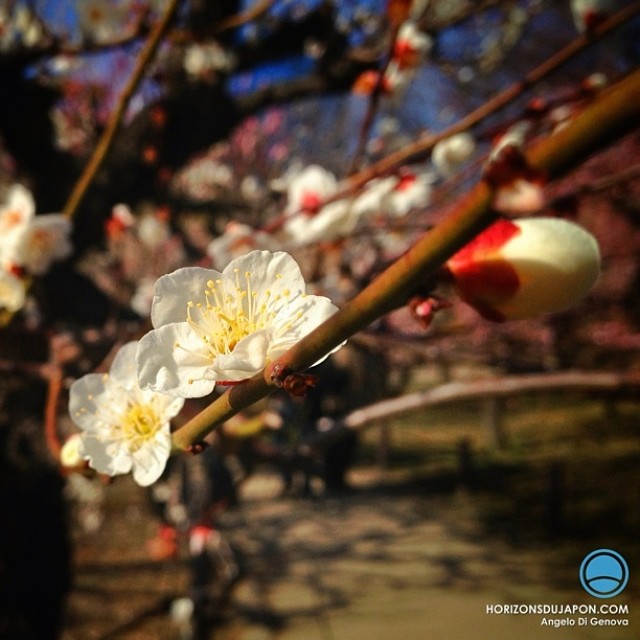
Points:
(503, 386)
(115, 120)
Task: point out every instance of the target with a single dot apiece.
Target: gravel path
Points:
(403, 560)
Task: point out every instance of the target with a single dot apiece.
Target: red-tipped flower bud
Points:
(523, 268)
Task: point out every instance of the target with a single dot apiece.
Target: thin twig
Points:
(51, 410)
(115, 121)
(250, 15)
(374, 101)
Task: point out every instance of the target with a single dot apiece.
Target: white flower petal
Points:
(123, 368)
(45, 241)
(334, 220)
(557, 263)
(183, 371)
(12, 292)
(275, 271)
(110, 457)
(150, 460)
(168, 406)
(302, 317)
(248, 358)
(174, 290)
(72, 452)
(18, 210)
(95, 400)
(315, 183)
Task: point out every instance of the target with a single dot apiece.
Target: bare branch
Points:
(495, 388)
(115, 121)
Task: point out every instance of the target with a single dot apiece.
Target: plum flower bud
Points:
(411, 44)
(523, 268)
(72, 452)
(451, 153)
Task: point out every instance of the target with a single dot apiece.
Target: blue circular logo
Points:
(604, 573)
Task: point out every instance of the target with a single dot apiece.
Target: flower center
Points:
(139, 424)
(310, 202)
(11, 219)
(230, 313)
(41, 241)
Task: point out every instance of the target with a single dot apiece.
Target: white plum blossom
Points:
(369, 202)
(104, 21)
(519, 196)
(391, 196)
(308, 219)
(207, 58)
(142, 297)
(12, 292)
(124, 428)
(29, 241)
(19, 27)
(204, 178)
(334, 220)
(45, 241)
(409, 49)
(212, 326)
(411, 45)
(15, 216)
(153, 229)
(309, 189)
(396, 78)
(410, 191)
(515, 136)
(526, 267)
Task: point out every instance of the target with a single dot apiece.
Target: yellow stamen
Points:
(140, 423)
(231, 311)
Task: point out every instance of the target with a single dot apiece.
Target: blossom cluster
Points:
(409, 49)
(28, 245)
(210, 327)
(140, 248)
(309, 218)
